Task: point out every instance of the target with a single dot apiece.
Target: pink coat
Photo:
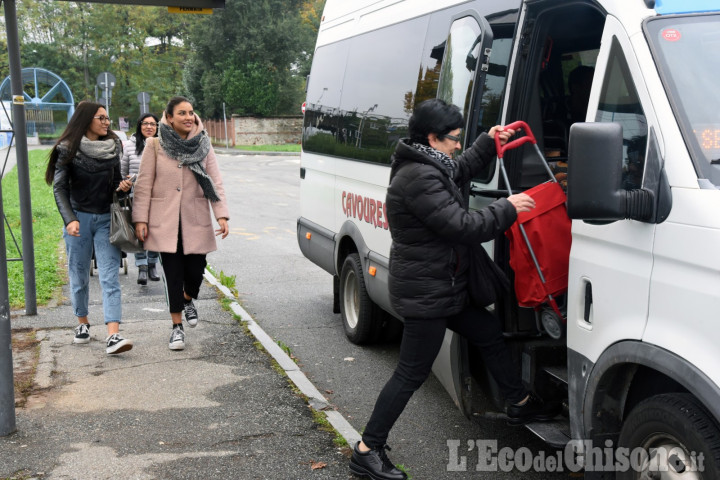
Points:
(166, 193)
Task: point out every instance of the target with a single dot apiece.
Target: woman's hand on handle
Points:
(522, 202)
(224, 229)
(503, 133)
(141, 231)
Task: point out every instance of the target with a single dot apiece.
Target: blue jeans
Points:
(146, 257)
(94, 231)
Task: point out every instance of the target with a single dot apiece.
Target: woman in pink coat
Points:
(178, 183)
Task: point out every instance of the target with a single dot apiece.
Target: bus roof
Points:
(669, 7)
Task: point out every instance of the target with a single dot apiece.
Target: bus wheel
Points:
(357, 309)
(670, 436)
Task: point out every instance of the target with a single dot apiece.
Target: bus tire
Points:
(678, 422)
(358, 311)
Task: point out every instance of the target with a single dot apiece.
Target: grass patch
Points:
(287, 147)
(47, 233)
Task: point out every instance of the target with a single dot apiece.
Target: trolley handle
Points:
(528, 137)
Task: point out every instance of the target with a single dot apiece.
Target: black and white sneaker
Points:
(177, 339)
(82, 333)
(191, 315)
(117, 344)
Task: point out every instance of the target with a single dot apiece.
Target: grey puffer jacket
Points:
(432, 230)
(130, 161)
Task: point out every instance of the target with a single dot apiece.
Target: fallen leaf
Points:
(317, 465)
(329, 392)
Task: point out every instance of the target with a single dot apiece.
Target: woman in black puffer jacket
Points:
(433, 232)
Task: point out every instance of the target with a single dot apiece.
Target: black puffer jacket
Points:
(432, 229)
(85, 184)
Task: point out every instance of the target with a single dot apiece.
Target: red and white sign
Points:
(671, 34)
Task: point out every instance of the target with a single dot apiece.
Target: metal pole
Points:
(227, 140)
(21, 152)
(107, 100)
(7, 389)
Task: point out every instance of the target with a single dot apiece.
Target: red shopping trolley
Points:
(541, 272)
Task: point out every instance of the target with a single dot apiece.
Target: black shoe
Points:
(375, 464)
(152, 272)
(142, 274)
(533, 410)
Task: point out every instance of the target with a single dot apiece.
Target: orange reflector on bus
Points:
(308, 235)
(372, 271)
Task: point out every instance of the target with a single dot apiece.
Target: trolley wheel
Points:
(552, 323)
(676, 433)
(125, 265)
(359, 313)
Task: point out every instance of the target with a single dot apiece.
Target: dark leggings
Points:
(183, 273)
(421, 342)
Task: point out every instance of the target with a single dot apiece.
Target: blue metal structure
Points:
(48, 93)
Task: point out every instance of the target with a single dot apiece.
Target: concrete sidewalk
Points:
(218, 409)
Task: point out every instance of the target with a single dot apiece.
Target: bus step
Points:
(559, 373)
(555, 433)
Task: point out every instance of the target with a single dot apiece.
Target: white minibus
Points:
(621, 93)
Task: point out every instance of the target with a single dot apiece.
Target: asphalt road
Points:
(291, 299)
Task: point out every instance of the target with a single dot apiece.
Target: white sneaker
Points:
(177, 339)
(82, 333)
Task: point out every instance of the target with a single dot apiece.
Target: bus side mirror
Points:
(595, 154)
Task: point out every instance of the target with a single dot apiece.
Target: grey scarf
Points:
(99, 149)
(439, 156)
(189, 152)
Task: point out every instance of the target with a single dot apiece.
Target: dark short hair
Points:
(434, 116)
(174, 102)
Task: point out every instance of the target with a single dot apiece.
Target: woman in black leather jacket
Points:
(84, 170)
(432, 234)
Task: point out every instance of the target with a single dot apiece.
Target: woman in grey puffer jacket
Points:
(147, 126)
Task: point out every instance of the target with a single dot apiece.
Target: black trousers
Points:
(421, 342)
(183, 273)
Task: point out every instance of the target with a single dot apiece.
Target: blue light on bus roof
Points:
(668, 7)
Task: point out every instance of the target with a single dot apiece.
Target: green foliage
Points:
(140, 46)
(288, 147)
(47, 233)
(252, 55)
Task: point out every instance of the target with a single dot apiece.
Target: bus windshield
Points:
(686, 52)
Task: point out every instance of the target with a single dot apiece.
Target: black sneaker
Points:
(533, 410)
(177, 339)
(191, 315)
(82, 333)
(117, 344)
(152, 272)
(375, 464)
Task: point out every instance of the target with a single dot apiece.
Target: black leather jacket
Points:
(85, 184)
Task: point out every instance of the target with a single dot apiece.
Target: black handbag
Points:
(122, 231)
(487, 281)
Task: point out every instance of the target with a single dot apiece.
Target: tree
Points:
(252, 55)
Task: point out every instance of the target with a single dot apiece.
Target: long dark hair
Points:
(77, 127)
(139, 137)
(433, 116)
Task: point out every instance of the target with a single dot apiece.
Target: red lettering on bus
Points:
(366, 210)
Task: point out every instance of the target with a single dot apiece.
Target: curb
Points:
(315, 399)
(233, 152)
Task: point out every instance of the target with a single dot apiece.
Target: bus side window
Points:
(619, 102)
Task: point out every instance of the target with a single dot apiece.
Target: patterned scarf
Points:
(189, 152)
(439, 156)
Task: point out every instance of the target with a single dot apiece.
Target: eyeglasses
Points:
(102, 118)
(451, 137)
(148, 124)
